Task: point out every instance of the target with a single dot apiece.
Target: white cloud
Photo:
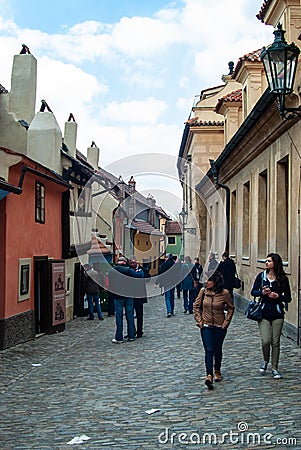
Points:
(67, 88)
(143, 36)
(134, 111)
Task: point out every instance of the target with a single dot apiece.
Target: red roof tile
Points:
(145, 228)
(203, 123)
(235, 96)
(173, 227)
(265, 6)
(252, 57)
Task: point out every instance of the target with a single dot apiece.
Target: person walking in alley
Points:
(92, 287)
(272, 286)
(210, 317)
(140, 296)
(227, 269)
(121, 283)
(197, 273)
(168, 278)
(212, 263)
(188, 285)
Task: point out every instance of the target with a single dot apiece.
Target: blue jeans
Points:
(188, 294)
(94, 298)
(170, 300)
(213, 338)
(128, 304)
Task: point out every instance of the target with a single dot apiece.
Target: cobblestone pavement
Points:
(78, 383)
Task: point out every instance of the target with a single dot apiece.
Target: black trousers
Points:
(111, 305)
(138, 306)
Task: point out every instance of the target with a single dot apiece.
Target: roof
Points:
(113, 180)
(110, 181)
(34, 165)
(98, 247)
(251, 57)
(173, 227)
(145, 228)
(235, 96)
(265, 6)
(202, 123)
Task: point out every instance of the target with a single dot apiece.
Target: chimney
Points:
(93, 155)
(132, 185)
(22, 97)
(70, 135)
(45, 139)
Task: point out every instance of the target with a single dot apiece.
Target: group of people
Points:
(127, 294)
(213, 311)
(211, 303)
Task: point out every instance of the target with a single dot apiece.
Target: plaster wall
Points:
(26, 238)
(251, 263)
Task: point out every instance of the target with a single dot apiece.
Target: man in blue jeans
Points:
(168, 278)
(122, 285)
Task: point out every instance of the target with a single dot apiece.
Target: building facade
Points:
(250, 196)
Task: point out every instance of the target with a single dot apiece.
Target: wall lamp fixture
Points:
(280, 65)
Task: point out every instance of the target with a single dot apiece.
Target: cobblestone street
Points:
(78, 383)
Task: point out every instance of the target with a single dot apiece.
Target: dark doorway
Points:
(79, 291)
(41, 292)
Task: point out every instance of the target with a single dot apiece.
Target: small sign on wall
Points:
(58, 293)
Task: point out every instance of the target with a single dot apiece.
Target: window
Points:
(246, 220)
(81, 201)
(24, 279)
(262, 214)
(282, 209)
(40, 202)
(210, 218)
(233, 224)
(171, 240)
(216, 226)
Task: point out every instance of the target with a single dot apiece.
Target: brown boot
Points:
(208, 382)
(217, 375)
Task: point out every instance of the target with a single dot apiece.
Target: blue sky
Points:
(129, 70)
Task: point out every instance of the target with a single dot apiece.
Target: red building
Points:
(32, 292)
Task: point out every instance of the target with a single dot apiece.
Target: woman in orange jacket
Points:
(210, 316)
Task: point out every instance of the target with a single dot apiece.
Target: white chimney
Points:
(70, 135)
(22, 97)
(93, 156)
(45, 140)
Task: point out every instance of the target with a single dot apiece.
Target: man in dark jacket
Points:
(92, 286)
(227, 269)
(169, 278)
(140, 296)
(197, 273)
(122, 286)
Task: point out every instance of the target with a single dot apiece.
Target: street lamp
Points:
(183, 215)
(280, 65)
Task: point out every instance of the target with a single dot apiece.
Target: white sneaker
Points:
(117, 342)
(263, 367)
(276, 375)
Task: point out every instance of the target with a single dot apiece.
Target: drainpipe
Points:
(227, 189)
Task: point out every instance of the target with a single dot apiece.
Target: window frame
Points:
(39, 202)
